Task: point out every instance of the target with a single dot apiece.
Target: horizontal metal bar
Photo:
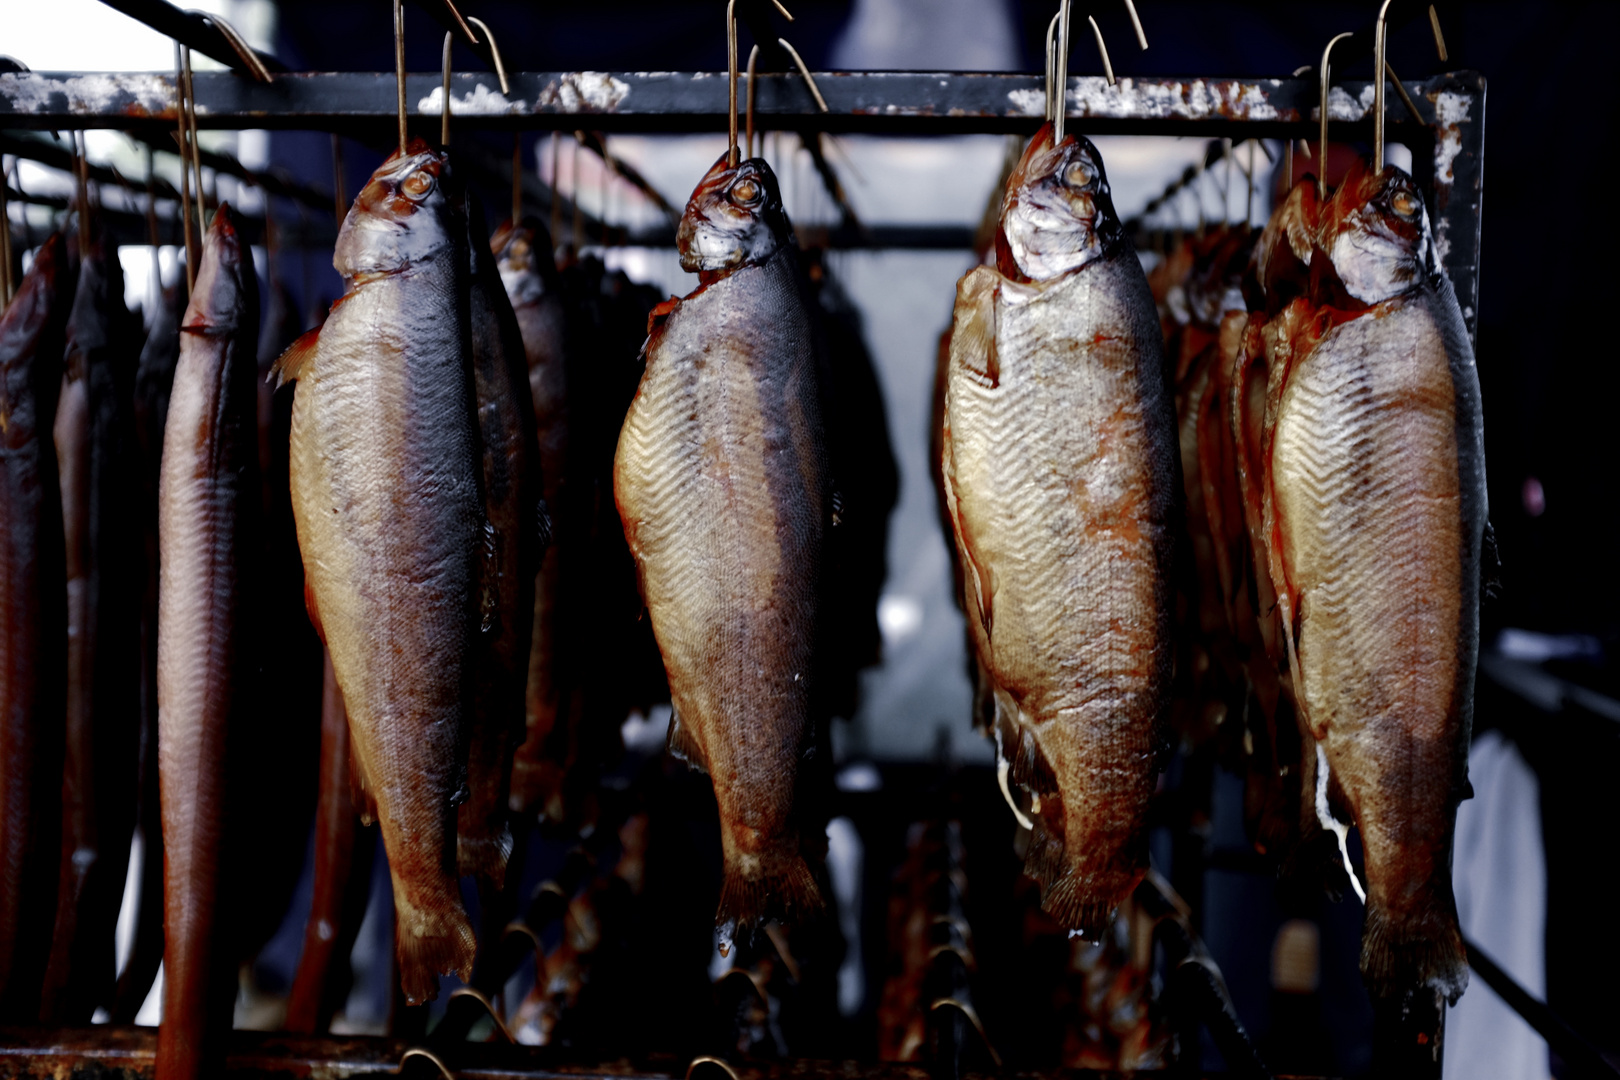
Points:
(873, 101)
(1569, 1044)
(191, 29)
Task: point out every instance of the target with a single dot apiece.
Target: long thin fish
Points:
(1375, 512)
(1061, 474)
(208, 508)
(33, 639)
(386, 491)
(721, 481)
(506, 437)
(99, 463)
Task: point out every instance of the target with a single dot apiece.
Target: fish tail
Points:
(1082, 900)
(432, 941)
(1420, 947)
(758, 888)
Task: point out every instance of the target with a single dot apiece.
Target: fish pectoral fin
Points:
(545, 530)
(973, 326)
(360, 793)
(290, 364)
(683, 745)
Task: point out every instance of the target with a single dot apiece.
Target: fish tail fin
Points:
(1423, 947)
(1082, 899)
(432, 941)
(758, 888)
(485, 856)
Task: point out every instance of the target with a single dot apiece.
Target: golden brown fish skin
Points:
(386, 492)
(208, 503)
(1375, 511)
(99, 471)
(524, 256)
(1060, 465)
(721, 481)
(512, 505)
(33, 639)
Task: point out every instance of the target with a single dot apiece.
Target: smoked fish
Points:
(721, 480)
(1374, 511)
(99, 468)
(208, 510)
(33, 639)
(1060, 465)
(517, 528)
(386, 487)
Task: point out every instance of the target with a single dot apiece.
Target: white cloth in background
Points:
(1500, 877)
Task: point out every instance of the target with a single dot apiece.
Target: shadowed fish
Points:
(33, 637)
(721, 482)
(208, 510)
(386, 492)
(1060, 457)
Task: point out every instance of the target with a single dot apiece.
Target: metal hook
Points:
(417, 1051)
(973, 1018)
(1327, 72)
(731, 69)
(1380, 32)
(472, 38)
(1136, 24)
(809, 80)
(494, 52)
(1051, 60)
(1108, 67)
(707, 1059)
(1439, 38)
(238, 44)
(517, 177)
(489, 1007)
(1061, 70)
(399, 68)
(444, 101)
(753, 58)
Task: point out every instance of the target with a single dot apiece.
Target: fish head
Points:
(1376, 230)
(733, 218)
(225, 289)
(1058, 212)
(402, 216)
(524, 257)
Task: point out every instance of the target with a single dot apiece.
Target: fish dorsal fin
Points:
(290, 364)
(683, 745)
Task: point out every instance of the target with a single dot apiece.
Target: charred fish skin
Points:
(387, 495)
(98, 465)
(506, 429)
(33, 640)
(721, 482)
(1061, 475)
(1377, 503)
(208, 503)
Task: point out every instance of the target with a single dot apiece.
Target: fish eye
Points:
(745, 191)
(1078, 174)
(519, 248)
(1404, 203)
(418, 184)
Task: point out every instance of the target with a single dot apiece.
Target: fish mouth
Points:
(1058, 213)
(384, 233)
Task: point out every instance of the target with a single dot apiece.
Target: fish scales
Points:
(33, 639)
(721, 481)
(208, 502)
(386, 491)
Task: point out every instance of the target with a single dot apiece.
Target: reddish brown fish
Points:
(1374, 510)
(33, 638)
(208, 511)
(721, 481)
(1060, 469)
(517, 528)
(386, 486)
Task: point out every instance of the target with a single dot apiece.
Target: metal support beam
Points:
(190, 29)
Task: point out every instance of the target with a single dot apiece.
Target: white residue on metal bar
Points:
(482, 101)
(1198, 99)
(31, 92)
(1450, 111)
(1341, 106)
(585, 91)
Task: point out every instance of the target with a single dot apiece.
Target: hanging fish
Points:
(33, 639)
(99, 467)
(1374, 510)
(386, 492)
(514, 545)
(721, 481)
(208, 514)
(1060, 458)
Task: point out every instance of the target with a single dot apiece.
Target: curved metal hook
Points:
(238, 44)
(1108, 66)
(1136, 24)
(973, 1018)
(809, 80)
(1051, 60)
(708, 1059)
(494, 52)
(731, 71)
(1380, 39)
(399, 68)
(753, 58)
(417, 1051)
(1439, 38)
(1327, 74)
(489, 1007)
(444, 99)
(1061, 71)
